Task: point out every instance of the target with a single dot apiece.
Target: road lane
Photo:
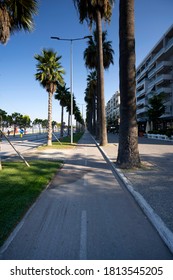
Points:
(86, 214)
(22, 145)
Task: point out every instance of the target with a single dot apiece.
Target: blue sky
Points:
(20, 92)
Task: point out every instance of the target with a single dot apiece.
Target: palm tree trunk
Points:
(128, 154)
(97, 117)
(68, 131)
(62, 120)
(94, 114)
(49, 140)
(100, 77)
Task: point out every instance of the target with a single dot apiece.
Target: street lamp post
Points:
(71, 73)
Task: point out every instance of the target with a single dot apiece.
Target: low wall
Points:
(159, 137)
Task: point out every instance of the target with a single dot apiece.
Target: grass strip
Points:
(19, 188)
(65, 142)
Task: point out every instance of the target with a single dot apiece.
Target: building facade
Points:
(113, 110)
(154, 76)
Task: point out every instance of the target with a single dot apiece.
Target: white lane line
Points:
(84, 180)
(83, 236)
(86, 163)
(86, 160)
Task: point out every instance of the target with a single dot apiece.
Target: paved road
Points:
(24, 144)
(85, 214)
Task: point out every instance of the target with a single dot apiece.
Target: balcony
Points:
(139, 111)
(141, 102)
(140, 84)
(138, 76)
(163, 65)
(169, 44)
(151, 85)
(156, 56)
(140, 93)
(151, 73)
(166, 90)
(160, 79)
(164, 77)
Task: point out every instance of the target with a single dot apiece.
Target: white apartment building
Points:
(113, 108)
(154, 75)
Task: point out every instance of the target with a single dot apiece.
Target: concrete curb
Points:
(158, 223)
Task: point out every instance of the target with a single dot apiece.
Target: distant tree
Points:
(3, 113)
(68, 109)
(77, 114)
(9, 120)
(96, 11)
(91, 62)
(16, 121)
(38, 122)
(156, 109)
(62, 96)
(45, 124)
(49, 72)
(16, 15)
(91, 100)
(3, 117)
(26, 121)
(54, 123)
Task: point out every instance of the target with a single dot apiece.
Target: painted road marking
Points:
(83, 236)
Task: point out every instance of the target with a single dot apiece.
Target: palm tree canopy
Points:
(62, 94)
(90, 53)
(87, 9)
(49, 70)
(96, 11)
(92, 83)
(16, 15)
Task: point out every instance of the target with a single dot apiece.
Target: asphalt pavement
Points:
(88, 212)
(152, 185)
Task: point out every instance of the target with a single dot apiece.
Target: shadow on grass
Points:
(19, 188)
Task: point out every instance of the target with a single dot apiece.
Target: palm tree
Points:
(1, 135)
(62, 96)
(16, 15)
(91, 100)
(77, 114)
(128, 154)
(78, 118)
(91, 61)
(90, 53)
(38, 122)
(68, 109)
(96, 10)
(49, 72)
(16, 119)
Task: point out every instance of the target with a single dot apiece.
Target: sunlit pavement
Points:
(152, 185)
(86, 213)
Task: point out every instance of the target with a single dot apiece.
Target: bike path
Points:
(85, 213)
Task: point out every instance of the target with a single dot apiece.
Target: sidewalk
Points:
(151, 186)
(85, 213)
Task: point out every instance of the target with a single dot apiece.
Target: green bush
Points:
(169, 132)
